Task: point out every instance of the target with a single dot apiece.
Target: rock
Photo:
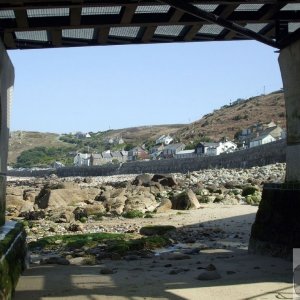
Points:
(80, 213)
(57, 198)
(165, 180)
(33, 215)
(209, 275)
(143, 179)
(57, 260)
(185, 200)
(75, 227)
(27, 206)
(106, 271)
(164, 206)
(156, 229)
(177, 256)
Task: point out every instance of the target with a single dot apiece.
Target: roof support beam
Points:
(148, 34)
(192, 32)
(56, 37)
(103, 35)
(9, 40)
(21, 18)
(128, 14)
(75, 16)
(203, 15)
(176, 16)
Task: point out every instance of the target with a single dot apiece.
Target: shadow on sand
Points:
(243, 276)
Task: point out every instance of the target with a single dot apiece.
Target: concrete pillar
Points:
(6, 90)
(289, 61)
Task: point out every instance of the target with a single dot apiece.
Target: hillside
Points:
(228, 120)
(24, 140)
(224, 122)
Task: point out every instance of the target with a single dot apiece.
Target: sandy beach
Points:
(173, 273)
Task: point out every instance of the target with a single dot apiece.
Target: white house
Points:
(262, 139)
(164, 139)
(215, 148)
(82, 159)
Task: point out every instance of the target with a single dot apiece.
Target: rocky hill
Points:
(224, 122)
(230, 119)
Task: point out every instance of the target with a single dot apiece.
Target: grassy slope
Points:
(222, 122)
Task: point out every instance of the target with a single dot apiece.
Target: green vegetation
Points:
(117, 243)
(133, 214)
(43, 157)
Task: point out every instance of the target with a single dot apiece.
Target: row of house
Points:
(98, 159)
(261, 133)
(255, 135)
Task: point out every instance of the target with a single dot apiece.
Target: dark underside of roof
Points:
(34, 24)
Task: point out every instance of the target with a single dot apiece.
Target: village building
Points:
(82, 159)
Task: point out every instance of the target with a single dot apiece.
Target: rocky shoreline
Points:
(125, 203)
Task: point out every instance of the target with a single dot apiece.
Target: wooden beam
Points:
(268, 11)
(21, 18)
(9, 40)
(227, 11)
(103, 35)
(176, 15)
(203, 15)
(192, 32)
(75, 16)
(148, 34)
(128, 14)
(56, 37)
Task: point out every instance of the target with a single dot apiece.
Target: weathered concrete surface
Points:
(276, 230)
(289, 61)
(12, 257)
(6, 88)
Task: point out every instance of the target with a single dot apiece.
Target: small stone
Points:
(230, 272)
(209, 275)
(211, 267)
(178, 256)
(168, 266)
(106, 271)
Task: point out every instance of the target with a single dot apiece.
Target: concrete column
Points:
(6, 90)
(289, 61)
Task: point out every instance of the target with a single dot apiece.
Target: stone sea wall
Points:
(257, 156)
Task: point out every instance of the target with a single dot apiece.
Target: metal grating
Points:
(293, 26)
(127, 32)
(84, 33)
(211, 29)
(169, 30)
(40, 35)
(291, 6)
(256, 27)
(106, 10)
(152, 9)
(7, 14)
(249, 7)
(48, 12)
(207, 7)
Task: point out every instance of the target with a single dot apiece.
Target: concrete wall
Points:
(6, 89)
(257, 156)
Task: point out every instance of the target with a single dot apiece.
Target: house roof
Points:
(174, 146)
(205, 144)
(185, 152)
(261, 137)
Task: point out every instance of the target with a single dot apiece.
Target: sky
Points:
(99, 88)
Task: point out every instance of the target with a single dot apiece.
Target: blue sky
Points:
(100, 88)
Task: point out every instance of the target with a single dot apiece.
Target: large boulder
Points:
(57, 198)
(185, 200)
(165, 180)
(143, 179)
(164, 206)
